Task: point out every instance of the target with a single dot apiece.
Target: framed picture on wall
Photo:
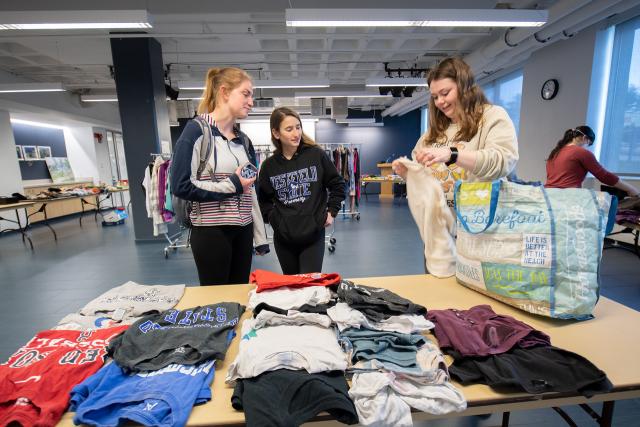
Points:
(30, 152)
(44, 152)
(19, 152)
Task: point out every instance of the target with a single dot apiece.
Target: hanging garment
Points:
(159, 226)
(146, 185)
(356, 171)
(336, 159)
(433, 217)
(350, 171)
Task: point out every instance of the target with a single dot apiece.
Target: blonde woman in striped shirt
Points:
(227, 224)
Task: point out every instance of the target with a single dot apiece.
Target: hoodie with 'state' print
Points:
(293, 193)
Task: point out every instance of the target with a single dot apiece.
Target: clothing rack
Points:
(353, 211)
(263, 151)
(180, 239)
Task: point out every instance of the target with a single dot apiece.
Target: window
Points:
(620, 147)
(507, 93)
(424, 120)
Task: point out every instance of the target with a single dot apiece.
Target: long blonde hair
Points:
(471, 102)
(229, 77)
(277, 116)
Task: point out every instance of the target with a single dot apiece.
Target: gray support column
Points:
(139, 76)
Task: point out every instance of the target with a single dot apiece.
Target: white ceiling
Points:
(198, 34)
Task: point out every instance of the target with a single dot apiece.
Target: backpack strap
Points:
(248, 147)
(205, 155)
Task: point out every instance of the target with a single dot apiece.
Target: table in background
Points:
(607, 341)
(629, 228)
(106, 195)
(386, 188)
(383, 182)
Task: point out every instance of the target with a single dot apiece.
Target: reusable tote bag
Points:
(534, 248)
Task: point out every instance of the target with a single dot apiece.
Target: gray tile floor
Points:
(40, 287)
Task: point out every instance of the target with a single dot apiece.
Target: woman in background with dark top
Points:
(292, 191)
(569, 162)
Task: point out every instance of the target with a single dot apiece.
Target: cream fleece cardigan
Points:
(495, 142)
(434, 218)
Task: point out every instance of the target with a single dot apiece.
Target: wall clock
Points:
(549, 89)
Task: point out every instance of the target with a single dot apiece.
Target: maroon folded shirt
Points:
(479, 331)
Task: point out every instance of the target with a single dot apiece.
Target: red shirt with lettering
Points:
(36, 380)
(569, 167)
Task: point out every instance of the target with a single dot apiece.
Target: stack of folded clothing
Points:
(290, 366)
(36, 381)
(395, 368)
(508, 354)
(163, 365)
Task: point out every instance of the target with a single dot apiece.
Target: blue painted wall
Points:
(396, 138)
(35, 135)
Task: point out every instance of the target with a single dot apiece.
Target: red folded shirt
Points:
(270, 280)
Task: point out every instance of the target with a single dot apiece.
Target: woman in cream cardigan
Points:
(468, 138)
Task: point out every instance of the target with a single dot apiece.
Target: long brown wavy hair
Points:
(229, 77)
(277, 116)
(471, 101)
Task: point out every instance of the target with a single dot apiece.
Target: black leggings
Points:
(222, 253)
(295, 259)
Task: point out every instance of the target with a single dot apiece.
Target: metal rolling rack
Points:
(181, 239)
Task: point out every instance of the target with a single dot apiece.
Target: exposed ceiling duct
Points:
(565, 19)
(561, 29)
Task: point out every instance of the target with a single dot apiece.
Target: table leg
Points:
(21, 229)
(505, 419)
(95, 215)
(82, 208)
(606, 418)
(46, 222)
(565, 416)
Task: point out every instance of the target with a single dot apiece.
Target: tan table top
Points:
(383, 179)
(117, 190)
(14, 206)
(610, 341)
